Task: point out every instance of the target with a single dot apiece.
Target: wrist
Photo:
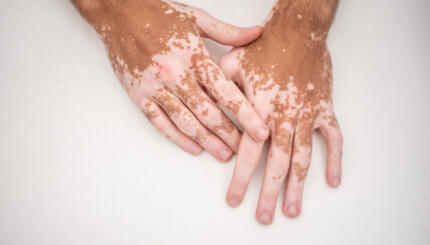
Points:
(87, 5)
(302, 16)
(91, 10)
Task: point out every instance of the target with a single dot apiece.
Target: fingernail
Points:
(335, 181)
(234, 201)
(196, 150)
(261, 133)
(292, 210)
(265, 218)
(225, 155)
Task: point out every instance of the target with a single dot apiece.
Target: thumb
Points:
(224, 33)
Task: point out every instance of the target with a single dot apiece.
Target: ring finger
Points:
(300, 162)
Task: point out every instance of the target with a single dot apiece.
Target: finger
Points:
(230, 65)
(334, 140)
(276, 171)
(207, 111)
(229, 95)
(300, 162)
(209, 94)
(224, 33)
(163, 124)
(189, 125)
(246, 162)
(217, 30)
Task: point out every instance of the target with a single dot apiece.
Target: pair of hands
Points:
(278, 85)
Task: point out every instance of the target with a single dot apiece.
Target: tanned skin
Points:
(157, 52)
(287, 75)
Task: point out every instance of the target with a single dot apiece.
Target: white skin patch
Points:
(315, 38)
(270, 90)
(288, 98)
(157, 52)
(297, 105)
(327, 71)
(165, 71)
(181, 8)
(164, 65)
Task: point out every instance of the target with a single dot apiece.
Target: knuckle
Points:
(213, 116)
(248, 116)
(169, 72)
(269, 196)
(303, 152)
(140, 101)
(240, 182)
(149, 89)
(186, 128)
(279, 170)
(159, 127)
(338, 136)
(229, 64)
(200, 12)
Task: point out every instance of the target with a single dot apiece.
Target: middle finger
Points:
(276, 171)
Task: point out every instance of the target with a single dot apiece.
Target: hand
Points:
(286, 74)
(156, 50)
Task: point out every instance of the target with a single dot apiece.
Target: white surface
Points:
(79, 164)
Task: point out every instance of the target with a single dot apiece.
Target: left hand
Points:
(286, 75)
(157, 52)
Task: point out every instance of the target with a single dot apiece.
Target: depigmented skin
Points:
(156, 50)
(287, 75)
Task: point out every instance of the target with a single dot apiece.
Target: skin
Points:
(156, 50)
(287, 75)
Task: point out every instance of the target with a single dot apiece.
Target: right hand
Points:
(156, 50)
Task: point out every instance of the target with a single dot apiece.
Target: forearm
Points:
(121, 13)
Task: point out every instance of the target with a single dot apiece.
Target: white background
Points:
(79, 163)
